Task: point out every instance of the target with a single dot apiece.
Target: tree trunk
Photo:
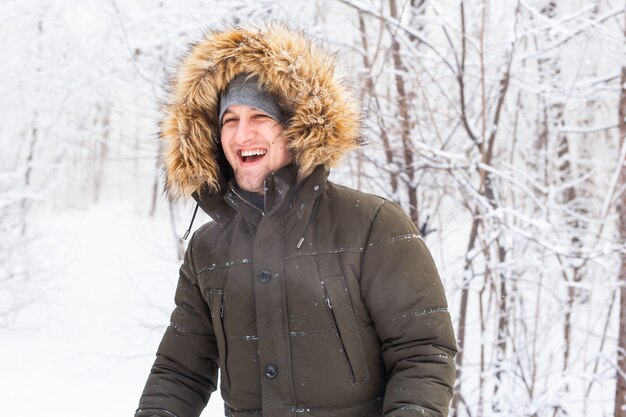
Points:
(370, 89)
(405, 121)
(100, 154)
(34, 138)
(620, 386)
(503, 328)
(486, 147)
(180, 244)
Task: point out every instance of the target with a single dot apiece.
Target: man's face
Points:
(253, 146)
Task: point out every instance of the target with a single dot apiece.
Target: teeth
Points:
(253, 152)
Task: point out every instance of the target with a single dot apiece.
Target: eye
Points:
(228, 120)
(261, 116)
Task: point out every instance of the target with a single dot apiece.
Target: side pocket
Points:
(217, 316)
(338, 302)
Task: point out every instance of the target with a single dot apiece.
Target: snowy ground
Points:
(86, 345)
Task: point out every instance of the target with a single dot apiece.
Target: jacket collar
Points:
(282, 192)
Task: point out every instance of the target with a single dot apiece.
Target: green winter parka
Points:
(326, 303)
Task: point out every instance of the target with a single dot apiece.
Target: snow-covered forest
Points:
(500, 126)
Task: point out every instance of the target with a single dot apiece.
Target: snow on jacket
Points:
(326, 303)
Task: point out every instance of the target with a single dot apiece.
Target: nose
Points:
(245, 130)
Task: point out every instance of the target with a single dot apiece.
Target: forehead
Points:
(239, 109)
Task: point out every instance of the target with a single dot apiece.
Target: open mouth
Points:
(252, 155)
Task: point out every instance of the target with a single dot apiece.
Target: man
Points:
(311, 299)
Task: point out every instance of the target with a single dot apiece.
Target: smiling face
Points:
(253, 145)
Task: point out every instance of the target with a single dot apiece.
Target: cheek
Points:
(230, 158)
(287, 153)
(226, 147)
(280, 149)
(284, 156)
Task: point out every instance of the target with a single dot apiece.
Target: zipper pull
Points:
(327, 299)
(313, 212)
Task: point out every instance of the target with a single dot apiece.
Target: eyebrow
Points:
(254, 110)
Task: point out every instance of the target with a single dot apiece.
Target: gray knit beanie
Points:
(244, 89)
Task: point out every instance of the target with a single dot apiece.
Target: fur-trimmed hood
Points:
(325, 119)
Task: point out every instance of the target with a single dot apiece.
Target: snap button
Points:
(271, 371)
(265, 276)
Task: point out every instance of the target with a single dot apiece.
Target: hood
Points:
(324, 122)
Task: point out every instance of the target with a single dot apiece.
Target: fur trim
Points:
(325, 118)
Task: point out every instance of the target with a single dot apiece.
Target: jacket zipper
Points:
(222, 335)
(225, 371)
(342, 345)
(247, 202)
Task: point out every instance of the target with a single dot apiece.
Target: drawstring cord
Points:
(191, 224)
(300, 242)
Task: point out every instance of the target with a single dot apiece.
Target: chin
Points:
(249, 186)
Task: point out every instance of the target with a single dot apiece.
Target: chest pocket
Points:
(216, 298)
(340, 308)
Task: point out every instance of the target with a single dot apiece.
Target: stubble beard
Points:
(251, 183)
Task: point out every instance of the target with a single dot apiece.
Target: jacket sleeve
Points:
(405, 297)
(185, 371)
